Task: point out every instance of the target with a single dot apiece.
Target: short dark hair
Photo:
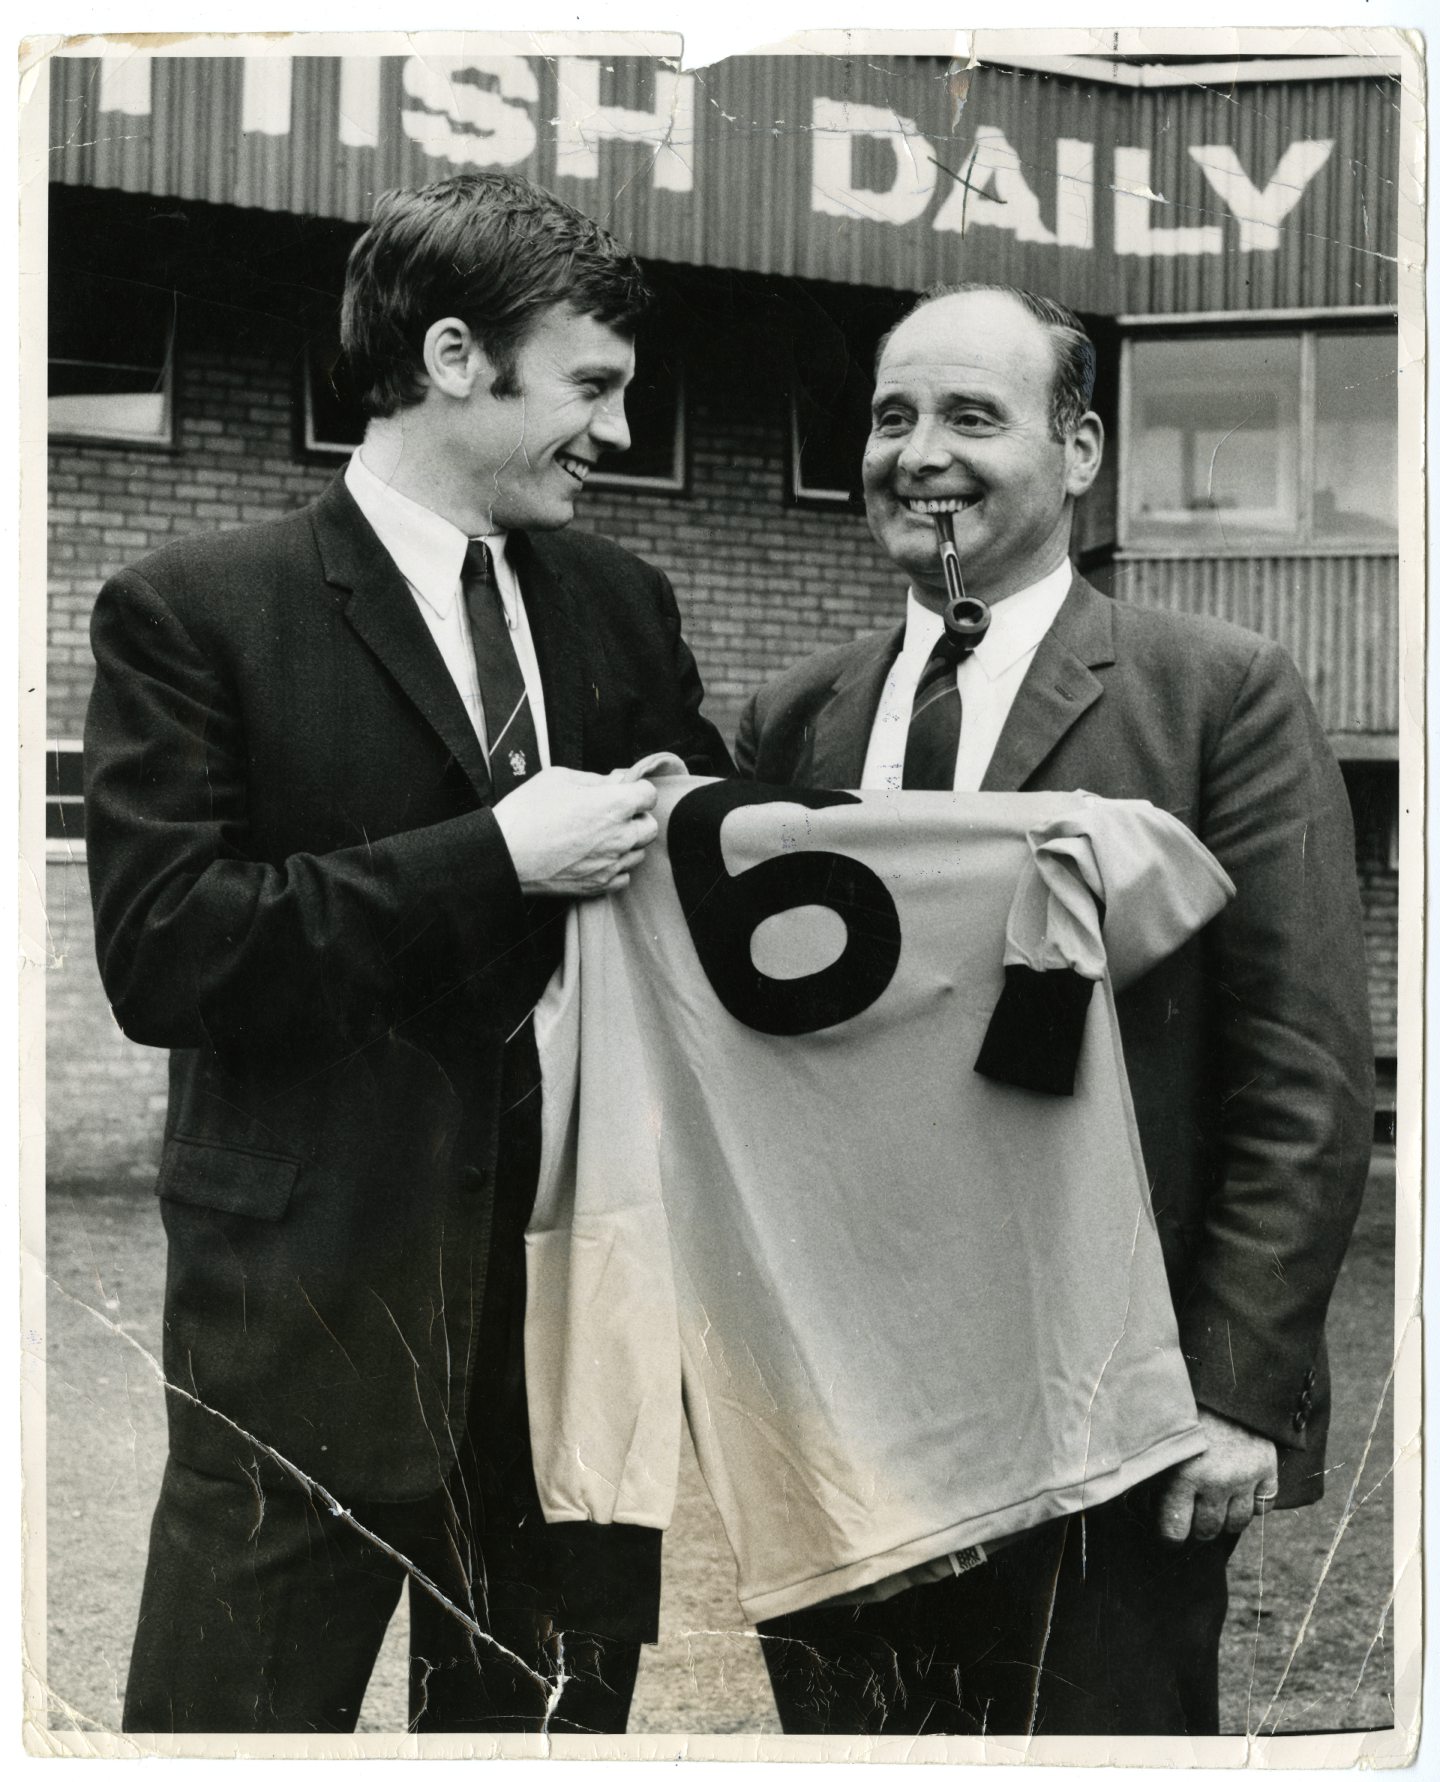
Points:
(1073, 386)
(486, 247)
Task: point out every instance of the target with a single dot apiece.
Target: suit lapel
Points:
(382, 612)
(1058, 688)
(559, 649)
(843, 724)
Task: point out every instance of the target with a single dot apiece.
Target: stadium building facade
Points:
(1229, 233)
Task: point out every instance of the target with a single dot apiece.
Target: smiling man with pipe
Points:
(1248, 1052)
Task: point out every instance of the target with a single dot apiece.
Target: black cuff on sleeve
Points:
(1033, 1040)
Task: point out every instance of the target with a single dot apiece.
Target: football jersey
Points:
(907, 1305)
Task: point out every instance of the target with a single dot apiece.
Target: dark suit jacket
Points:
(300, 889)
(1249, 1051)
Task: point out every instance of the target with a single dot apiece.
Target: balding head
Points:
(964, 422)
(1073, 384)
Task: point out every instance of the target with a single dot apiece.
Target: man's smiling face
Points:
(528, 455)
(961, 423)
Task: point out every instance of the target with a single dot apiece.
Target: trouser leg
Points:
(553, 1597)
(492, 1555)
(570, 1682)
(260, 1612)
(952, 1657)
(1134, 1643)
(1090, 1625)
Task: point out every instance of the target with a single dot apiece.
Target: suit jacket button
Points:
(472, 1178)
(1310, 1377)
(1300, 1420)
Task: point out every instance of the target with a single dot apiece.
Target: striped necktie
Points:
(934, 736)
(514, 749)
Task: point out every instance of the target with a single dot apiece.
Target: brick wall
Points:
(110, 504)
(761, 584)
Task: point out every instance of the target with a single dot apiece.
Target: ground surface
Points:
(1327, 1571)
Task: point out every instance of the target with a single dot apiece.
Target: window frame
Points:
(610, 473)
(1254, 520)
(1307, 327)
(796, 493)
(60, 847)
(144, 442)
(308, 447)
(862, 316)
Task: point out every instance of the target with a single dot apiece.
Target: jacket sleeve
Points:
(1287, 989)
(747, 739)
(200, 941)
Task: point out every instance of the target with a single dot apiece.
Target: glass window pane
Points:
(830, 420)
(655, 415)
(1355, 439)
(64, 785)
(64, 772)
(110, 358)
(1215, 441)
(334, 421)
(119, 321)
(831, 382)
(113, 401)
(111, 417)
(65, 822)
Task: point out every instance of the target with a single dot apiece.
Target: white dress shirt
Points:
(988, 679)
(430, 553)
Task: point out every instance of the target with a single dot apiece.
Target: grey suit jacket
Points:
(1249, 1052)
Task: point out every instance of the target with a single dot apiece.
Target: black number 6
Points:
(724, 910)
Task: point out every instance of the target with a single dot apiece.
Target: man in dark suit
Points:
(345, 770)
(1248, 1052)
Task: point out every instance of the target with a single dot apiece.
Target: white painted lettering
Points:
(1074, 193)
(360, 101)
(464, 122)
(584, 123)
(125, 83)
(991, 193)
(1258, 213)
(1133, 231)
(833, 192)
(265, 96)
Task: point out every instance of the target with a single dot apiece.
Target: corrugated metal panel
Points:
(770, 167)
(1339, 248)
(859, 170)
(1337, 616)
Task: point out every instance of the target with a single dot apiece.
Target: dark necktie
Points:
(514, 750)
(934, 735)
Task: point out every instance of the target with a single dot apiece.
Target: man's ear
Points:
(1083, 451)
(454, 361)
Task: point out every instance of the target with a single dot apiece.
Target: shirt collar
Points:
(1017, 623)
(428, 550)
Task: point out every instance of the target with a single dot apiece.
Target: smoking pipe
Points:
(967, 619)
